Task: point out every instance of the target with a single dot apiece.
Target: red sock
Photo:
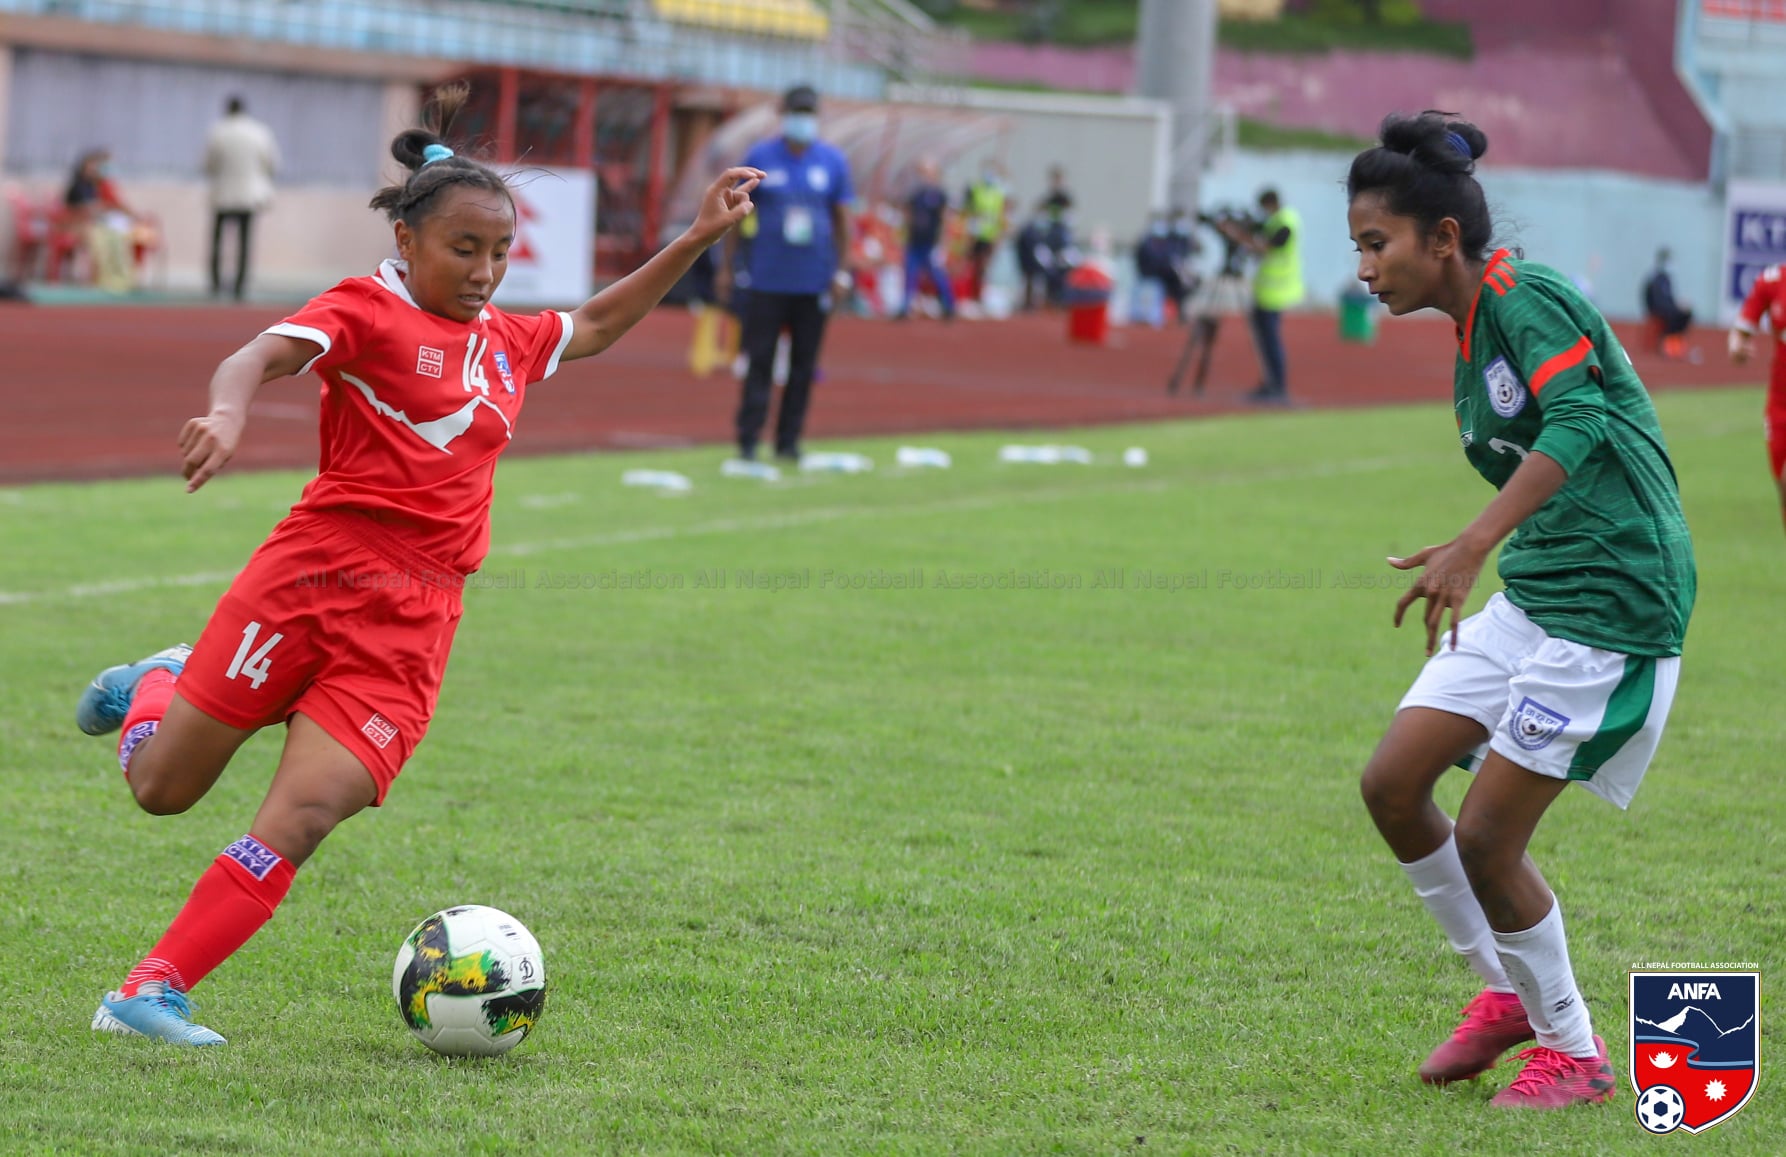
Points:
(154, 691)
(230, 902)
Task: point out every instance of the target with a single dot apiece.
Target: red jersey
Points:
(1767, 297)
(416, 408)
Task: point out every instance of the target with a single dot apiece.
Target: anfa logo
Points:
(1695, 1046)
(1534, 725)
(1505, 392)
(380, 730)
(429, 360)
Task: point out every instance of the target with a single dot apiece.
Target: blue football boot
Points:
(107, 699)
(157, 1012)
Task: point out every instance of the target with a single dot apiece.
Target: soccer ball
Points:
(470, 981)
(1660, 1109)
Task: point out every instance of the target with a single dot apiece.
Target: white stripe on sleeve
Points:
(567, 326)
(306, 333)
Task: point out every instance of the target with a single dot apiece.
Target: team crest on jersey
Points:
(1505, 391)
(429, 360)
(1534, 725)
(502, 368)
(1695, 1047)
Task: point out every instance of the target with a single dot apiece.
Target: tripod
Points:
(1226, 292)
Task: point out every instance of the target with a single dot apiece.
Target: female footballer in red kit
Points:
(341, 623)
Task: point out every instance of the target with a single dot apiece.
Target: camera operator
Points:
(1277, 285)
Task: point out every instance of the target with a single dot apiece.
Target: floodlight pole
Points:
(1175, 52)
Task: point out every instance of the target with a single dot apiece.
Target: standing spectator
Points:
(1058, 201)
(1032, 253)
(803, 232)
(926, 211)
(1060, 257)
(1276, 287)
(99, 215)
(1153, 265)
(240, 160)
(1668, 316)
(988, 219)
(1182, 279)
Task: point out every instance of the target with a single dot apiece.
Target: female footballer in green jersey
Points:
(1568, 673)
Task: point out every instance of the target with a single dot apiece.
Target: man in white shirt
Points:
(240, 160)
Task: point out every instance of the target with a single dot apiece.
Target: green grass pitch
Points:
(1041, 855)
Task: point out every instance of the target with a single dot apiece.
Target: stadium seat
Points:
(30, 234)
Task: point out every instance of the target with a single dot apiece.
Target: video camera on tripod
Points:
(1232, 225)
(1224, 293)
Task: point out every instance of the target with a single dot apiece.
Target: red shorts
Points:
(1775, 417)
(334, 619)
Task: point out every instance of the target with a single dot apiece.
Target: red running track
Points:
(102, 391)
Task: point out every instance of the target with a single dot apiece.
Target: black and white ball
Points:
(1660, 1109)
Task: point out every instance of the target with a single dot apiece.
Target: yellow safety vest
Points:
(1278, 284)
(986, 203)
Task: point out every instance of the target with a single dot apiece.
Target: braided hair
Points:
(1424, 168)
(432, 165)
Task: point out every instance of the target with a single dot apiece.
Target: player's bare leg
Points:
(173, 769)
(1494, 826)
(318, 784)
(1421, 745)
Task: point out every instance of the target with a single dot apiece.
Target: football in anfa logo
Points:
(1695, 1047)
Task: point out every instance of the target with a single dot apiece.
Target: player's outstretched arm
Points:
(207, 443)
(601, 320)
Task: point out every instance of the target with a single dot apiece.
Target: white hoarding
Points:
(552, 262)
(1754, 238)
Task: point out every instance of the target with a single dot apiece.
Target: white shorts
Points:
(1551, 706)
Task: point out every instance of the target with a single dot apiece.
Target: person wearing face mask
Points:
(796, 259)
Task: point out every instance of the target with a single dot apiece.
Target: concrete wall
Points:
(1599, 225)
(1115, 151)
(313, 235)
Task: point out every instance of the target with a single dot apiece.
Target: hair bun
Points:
(1435, 139)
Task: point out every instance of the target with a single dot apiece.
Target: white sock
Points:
(1440, 883)
(1537, 961)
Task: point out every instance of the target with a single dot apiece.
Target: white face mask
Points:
(800, 127)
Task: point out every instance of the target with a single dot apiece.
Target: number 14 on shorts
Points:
(248, 660)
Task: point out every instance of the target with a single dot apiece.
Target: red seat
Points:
(30, 234)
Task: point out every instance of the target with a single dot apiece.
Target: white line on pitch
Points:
(771, 522)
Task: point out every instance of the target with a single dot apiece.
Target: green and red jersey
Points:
(1607, 561)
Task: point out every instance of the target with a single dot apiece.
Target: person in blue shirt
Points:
(926, 212)
(803, 234)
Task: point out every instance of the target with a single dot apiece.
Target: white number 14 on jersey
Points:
(252, 665)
